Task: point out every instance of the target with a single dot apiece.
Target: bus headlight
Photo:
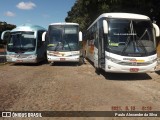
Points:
(74, 55)
(32, 56)
(10, 56)
(113, 59)
(152, 61)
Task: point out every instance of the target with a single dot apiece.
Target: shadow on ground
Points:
(158, 72)
(29, 64)
(65, 64)
(125, 76)
(122, 76)
(46, 63)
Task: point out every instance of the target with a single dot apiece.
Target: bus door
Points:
(96, 53)
(101, 54)
(100, 36)
(96, 47)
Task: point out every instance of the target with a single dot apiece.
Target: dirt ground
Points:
(68, 87)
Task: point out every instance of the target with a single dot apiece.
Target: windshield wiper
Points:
(143, 35)
(128, 39)
(57, 46)
(140, 44)
(68, 45)
(135, 41)
(126, 45)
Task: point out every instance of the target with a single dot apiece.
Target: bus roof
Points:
(28, 27)
(121, 15)
(64, 23)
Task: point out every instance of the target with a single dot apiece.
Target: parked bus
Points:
(63, 42)
(122, 42)
(24, 44)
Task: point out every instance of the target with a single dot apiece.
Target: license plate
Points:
(134, 69)
(62, 59)
(20, 61)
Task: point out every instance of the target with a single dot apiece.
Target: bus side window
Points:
(96, 42)
(95, 36)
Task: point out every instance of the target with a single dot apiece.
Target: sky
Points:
(37, 12)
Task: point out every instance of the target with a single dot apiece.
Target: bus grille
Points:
(134, 63)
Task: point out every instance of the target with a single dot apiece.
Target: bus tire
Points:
(81, 61)
(98, 71)
(51, 63)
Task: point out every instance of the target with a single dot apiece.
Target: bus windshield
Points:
(63, 38)
(21, 42)
(131, 37)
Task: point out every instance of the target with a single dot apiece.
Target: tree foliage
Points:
(85, 12)
(4, 26)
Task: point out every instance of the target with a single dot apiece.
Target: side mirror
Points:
(5, 35)
(44, 36)
(157, 31)
(80, 36)
(35, 34)
(105, 26)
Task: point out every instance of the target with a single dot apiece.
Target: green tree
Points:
(4, 26)
(85, 12)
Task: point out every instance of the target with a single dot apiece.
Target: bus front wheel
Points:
(98, 70)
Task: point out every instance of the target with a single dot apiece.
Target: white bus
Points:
(24, 44)
(122, 42)
(63, 42)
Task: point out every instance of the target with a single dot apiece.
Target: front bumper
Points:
(22, 58)
(63, 59)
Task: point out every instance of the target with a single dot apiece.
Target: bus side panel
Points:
(95, 57)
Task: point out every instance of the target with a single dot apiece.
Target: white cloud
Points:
(26, 5)
(9, 14)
